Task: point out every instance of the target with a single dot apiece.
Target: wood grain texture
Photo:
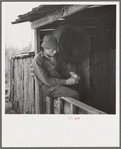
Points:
(20, 84)
(15, 88)
(67, 109)
(22, 87)
(33, 95)
(73, 109)
(30, 86)
(32, 90)
(37, 97)
(25, 87)
(83, 106)
(60, 106)
(12, 81)
(50, 104)
(82, 111)
(112, 84)
(57, 15)
(86, 78)
(35, 41)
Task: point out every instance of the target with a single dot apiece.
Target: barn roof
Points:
(42, 11)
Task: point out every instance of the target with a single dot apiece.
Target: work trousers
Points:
(65, 91)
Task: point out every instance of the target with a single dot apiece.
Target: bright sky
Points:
(17, 35)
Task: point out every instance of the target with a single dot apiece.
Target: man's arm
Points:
(43, 75)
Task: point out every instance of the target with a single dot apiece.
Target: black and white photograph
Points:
(60, 60)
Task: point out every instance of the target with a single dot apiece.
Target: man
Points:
(51, 71)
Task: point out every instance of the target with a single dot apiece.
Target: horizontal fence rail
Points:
(73, 107)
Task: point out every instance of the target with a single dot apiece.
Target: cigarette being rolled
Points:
(75, 76)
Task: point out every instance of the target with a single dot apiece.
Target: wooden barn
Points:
(96, 69)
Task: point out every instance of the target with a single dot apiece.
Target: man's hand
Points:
(71, 81)
(73, 74)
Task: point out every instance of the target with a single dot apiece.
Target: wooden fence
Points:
(22, 93)
(22, 84)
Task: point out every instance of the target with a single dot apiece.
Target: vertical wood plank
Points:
(29, 89)
(38, 40)
(32, 89)
(101, 71)
(80, 84)
(73, 109)
(105, 81)
(26, 85)
(60, 106)
(44, 100)
(15, 86)
(33, 40)
(86, 76)
(40, 99)
(67, 107)
(12, 81)
(94, 77)
(55, 105)
(49, 104)
(22, 85)
(23, 78)
(91, 92)
(38, 88)
(25, 88)
(20, 80)
(37, 97)
(29, 84)
(33, 95)
(113, 80)
(33, 79)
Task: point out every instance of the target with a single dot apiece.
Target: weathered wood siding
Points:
(97, 70)
(22, 85)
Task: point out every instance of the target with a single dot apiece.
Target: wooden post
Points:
(50, 104)
(38, 98)
(36, 40)
(38, 88)
(73, 109)
(60, 106)
(33, 94)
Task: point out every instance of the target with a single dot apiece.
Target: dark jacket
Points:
(50, 74)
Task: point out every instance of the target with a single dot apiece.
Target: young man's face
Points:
(50, 52)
